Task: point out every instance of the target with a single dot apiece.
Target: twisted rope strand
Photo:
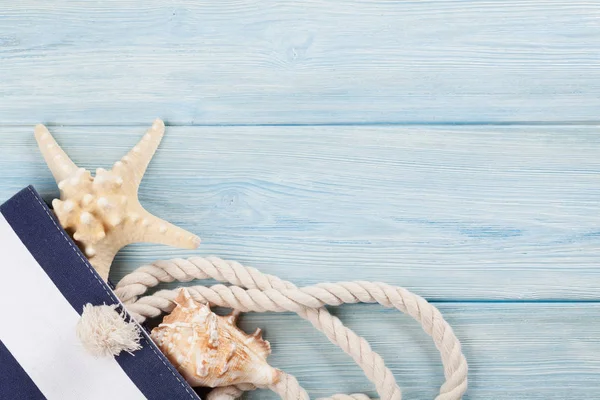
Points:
(252, 290)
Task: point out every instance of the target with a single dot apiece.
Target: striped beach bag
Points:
(45, 281)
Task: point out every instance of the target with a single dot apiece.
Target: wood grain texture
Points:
(266, 62)
(445, 146)
(452, 213)
(516, 351)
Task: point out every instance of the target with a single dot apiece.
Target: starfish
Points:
(103, 213)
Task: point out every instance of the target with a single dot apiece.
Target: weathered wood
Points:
(516, 351)
(469, 216)
(265, 62)
(450, 212)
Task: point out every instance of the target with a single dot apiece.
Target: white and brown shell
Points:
(210, 350)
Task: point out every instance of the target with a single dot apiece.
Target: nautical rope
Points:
(252, 290)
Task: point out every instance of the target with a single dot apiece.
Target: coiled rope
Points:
(251, 290)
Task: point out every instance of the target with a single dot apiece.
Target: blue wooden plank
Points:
(449, 212)
(515, 351)
(452, 213)
(265, 62)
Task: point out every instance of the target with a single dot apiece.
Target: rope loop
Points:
(251, 290)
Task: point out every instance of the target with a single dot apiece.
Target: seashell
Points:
(103, 212)
(210, 350)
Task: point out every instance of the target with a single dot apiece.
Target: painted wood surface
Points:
(453, 213)
(299, 62)
(516, 351)
(450, 147)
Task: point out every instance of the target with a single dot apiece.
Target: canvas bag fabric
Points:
(40, 355)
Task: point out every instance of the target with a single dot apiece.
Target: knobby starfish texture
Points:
(103, 213)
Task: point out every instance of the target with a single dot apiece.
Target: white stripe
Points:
(38, 328)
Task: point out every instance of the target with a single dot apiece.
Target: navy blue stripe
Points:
(79, 283)
(14, 379)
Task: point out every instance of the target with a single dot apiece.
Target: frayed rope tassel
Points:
(103, 331)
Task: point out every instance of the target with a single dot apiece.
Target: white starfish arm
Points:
(158, 230)
(58, 161)
(136, 161)
(103, 212)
